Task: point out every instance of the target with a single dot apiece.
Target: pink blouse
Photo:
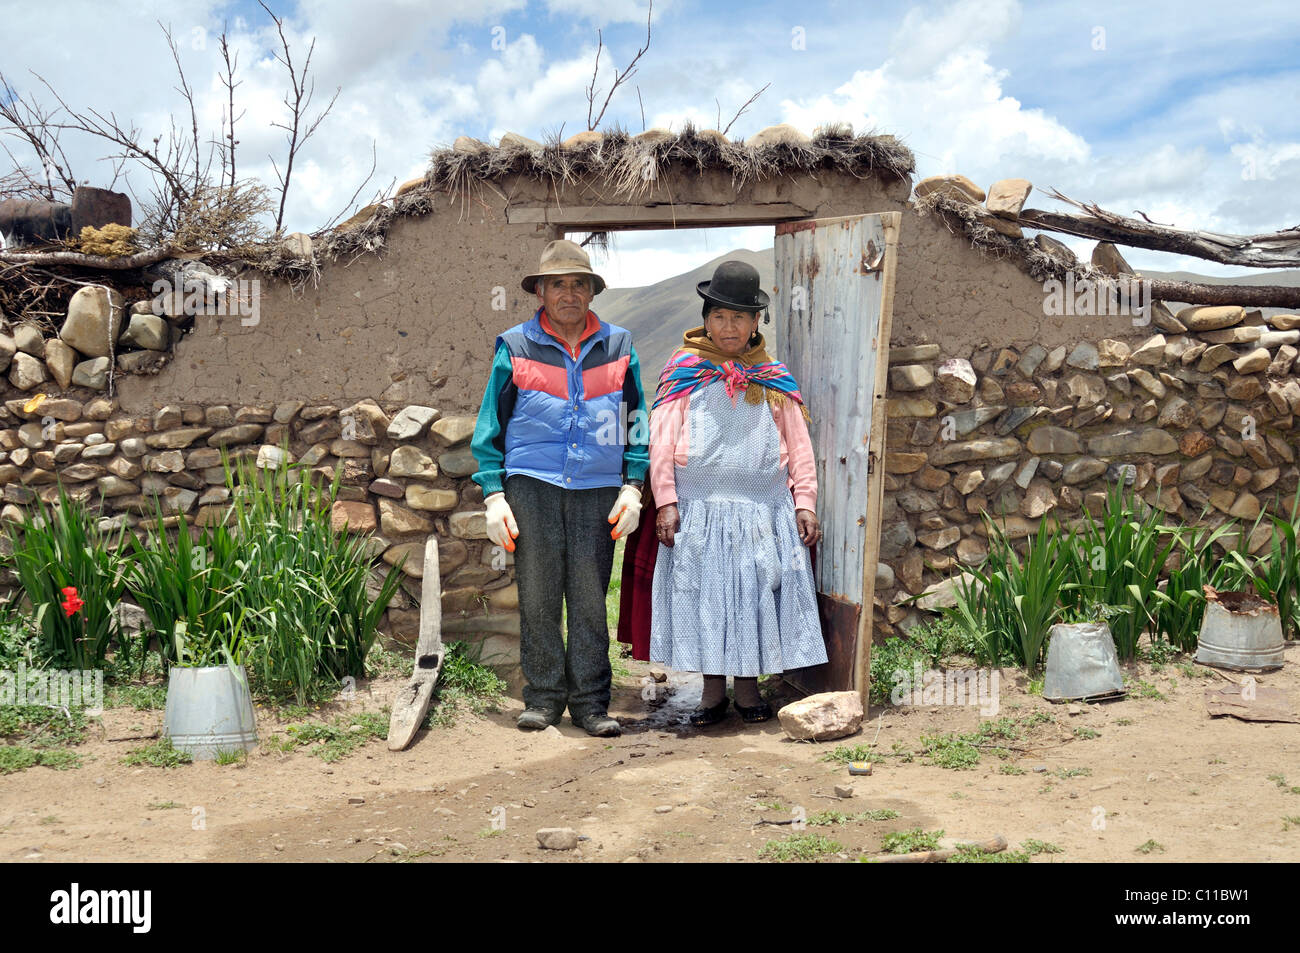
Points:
(669, 446)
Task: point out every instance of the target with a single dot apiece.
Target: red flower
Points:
(71, 603)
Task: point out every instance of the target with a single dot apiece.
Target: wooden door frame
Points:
(890, 223)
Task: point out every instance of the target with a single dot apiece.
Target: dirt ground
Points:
(1158, 769)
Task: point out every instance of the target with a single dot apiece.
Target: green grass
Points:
(951, 751)
(1282, 785)
(910, 841)
(160, 754)
(1065, 773)
(959, 752)
(970, 854)
(337, 739)
(163, 806)
(1011, 601)
(825, 818)
(383, 662)
(1010, 769)
(230, 756)
(15, 758)
(1290, 820)
(139, 697)
(771, 806)
(42, 727)
(1144, 689)
(57, 547)
(1035, 847)
(466, 684)
(1086, 734)
(799, 847)
(1124, 721)
(1150, 846)
(880, 814)
(843, 755)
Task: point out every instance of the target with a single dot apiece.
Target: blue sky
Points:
(1189, 112)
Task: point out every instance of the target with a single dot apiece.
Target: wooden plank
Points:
(840, 622)
(890, 222)
(412, 704)
(1265, 704)
(631, 217)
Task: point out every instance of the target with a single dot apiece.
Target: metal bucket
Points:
(209, 710)
(1241, 632)
(1081, 663)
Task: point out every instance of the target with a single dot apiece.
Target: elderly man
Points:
(563, 452)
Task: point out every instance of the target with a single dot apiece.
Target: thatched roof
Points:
(630, 165)
(624, 166)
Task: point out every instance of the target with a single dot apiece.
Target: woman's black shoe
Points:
(710, 716)
(760, 712)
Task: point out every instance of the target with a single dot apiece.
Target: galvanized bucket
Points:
(1241, 632)
(209, 710)
(1081, 663)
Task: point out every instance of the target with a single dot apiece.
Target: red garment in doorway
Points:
(634, 598)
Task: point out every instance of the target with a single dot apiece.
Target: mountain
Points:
(657, 314)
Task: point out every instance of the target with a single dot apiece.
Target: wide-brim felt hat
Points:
(563, 257)
(734, 285)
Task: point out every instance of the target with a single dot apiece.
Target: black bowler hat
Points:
(734, 285)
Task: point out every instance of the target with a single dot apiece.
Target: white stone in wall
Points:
(411, 422)
(94, 321)
(92, 373)
(26, 372)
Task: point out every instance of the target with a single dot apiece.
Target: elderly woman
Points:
(732, 472)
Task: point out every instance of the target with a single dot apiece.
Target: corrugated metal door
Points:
(833, 310)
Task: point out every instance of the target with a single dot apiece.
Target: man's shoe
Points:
(599, 724)
(537, 719)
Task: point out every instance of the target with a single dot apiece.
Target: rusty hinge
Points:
(871, 461)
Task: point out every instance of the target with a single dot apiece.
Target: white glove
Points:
(626, 512)
(501, 526)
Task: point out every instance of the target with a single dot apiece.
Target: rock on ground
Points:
(822, 717)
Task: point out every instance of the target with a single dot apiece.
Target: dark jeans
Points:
(563, 556)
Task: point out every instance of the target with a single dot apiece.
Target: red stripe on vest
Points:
(534, 375)
(598, 381)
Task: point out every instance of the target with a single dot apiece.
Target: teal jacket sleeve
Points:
(636, 458)
(489, 442)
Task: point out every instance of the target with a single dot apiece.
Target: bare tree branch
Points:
(374, 161)
(27, 121)
(1274, 250)
(228, 134)
(301, 94)
(124, 263)
(739, 112)
(619, 78)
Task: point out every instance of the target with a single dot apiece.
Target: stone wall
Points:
(403, 474)
(1028, 431)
